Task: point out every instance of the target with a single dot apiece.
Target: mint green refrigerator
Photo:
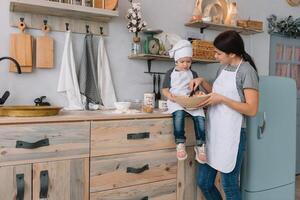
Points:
(268, 171)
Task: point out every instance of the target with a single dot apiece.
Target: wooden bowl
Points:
(190, 102)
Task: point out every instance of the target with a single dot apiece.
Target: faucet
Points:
(16, 62)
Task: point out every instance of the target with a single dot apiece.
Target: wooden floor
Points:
(298, 187)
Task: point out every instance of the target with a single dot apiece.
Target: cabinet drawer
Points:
(29, 143)
(125, 136)
(111, 172)
(163, 190)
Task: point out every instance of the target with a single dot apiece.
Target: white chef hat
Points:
(183, 48)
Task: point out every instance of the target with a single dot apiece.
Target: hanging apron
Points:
(224, 125)
(180, 86)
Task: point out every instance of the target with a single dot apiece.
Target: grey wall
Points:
(129, 80)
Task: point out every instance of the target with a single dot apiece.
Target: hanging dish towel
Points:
(105, 83)
(68, 83)
(87, 73)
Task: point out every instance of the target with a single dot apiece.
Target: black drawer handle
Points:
(28, 145)
(145, 198)
(137, 170)
(138, 136)
(20, 186)
(44, 181)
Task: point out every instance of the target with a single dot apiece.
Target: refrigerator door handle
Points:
(261, 124)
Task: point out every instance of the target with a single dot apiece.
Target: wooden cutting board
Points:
(21, 49)
(44, 49)
(111, 4)
(106, 4)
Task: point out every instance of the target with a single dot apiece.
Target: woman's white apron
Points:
(224, 125)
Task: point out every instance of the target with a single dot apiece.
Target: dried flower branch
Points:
(134, 15)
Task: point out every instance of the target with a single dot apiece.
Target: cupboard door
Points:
(15, 181)
(61, 180)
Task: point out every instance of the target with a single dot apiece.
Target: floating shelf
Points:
(164, 58)
(221, 27)
(72, 11)
(150, 57)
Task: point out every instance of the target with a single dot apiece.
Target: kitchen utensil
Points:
(190, 102)
(154, 85)
(4, 97)
(158, 87)
(44, 49)
(192, 93)
(21, 49)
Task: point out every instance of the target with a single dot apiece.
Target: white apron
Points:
(224, 125)
(180, 86)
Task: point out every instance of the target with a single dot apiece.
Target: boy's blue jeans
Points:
(230, 181)
(178, 123)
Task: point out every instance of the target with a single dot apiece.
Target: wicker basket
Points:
(203, 50)
(256, 25)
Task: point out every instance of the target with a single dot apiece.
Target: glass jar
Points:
(136, 45)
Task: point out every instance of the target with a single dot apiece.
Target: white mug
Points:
(162, 105)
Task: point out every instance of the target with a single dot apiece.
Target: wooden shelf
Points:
(164, 58)
(51, 8)
(150, 57)
(221, 27)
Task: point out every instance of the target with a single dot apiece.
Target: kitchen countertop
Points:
(73, 116)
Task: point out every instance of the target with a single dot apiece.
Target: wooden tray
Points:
(29, 111)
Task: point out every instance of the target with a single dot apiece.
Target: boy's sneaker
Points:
(181, 152)
(200, 154)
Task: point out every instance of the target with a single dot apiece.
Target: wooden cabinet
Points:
(136, 159)
(129, 158)
(45, 161)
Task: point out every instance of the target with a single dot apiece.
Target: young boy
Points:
(176, 83)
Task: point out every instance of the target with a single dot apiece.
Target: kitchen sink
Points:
(28, 111)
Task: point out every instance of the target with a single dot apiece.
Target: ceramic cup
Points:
(162, 105)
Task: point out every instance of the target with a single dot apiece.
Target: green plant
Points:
(286, 26)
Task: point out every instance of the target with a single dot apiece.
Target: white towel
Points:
(68, 83)
(105, 83)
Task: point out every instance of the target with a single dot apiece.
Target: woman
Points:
(233, 95)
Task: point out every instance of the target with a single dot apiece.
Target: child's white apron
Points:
(180, 86)
(224, 125)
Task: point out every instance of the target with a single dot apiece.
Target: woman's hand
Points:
(195, 83)
(214, 98)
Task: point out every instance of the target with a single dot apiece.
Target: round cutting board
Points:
(293, 2)
(111, 4)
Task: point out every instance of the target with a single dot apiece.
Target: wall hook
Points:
(87, 28)
(67, 26)
(101, 30)
(22, 19)
(45, 22)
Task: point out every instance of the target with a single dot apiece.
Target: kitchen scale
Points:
(151, 44)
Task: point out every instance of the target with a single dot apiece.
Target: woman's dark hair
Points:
(231, 42)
